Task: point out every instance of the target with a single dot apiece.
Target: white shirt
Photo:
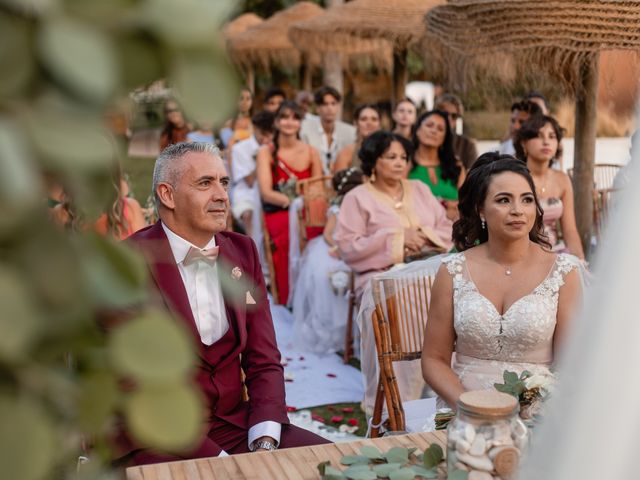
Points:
(207, 305)
(507, 148)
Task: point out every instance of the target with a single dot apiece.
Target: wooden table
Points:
(287, 464)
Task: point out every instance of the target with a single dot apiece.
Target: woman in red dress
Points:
(279, 166)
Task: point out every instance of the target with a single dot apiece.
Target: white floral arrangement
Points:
(339, 282)
(530, 389)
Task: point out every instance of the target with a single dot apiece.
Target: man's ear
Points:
(165, 193)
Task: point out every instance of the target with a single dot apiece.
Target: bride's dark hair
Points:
(468, 231)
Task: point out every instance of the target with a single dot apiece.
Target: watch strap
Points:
(263, 444)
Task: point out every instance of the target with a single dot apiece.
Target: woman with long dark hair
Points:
(434, 161)
(279, 167)
(175, 128)
(505, 301)
(367, 120)
(538, 144)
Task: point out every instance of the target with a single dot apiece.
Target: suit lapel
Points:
(232, 290)
(167, 276)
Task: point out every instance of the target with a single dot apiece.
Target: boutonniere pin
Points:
(236, 273)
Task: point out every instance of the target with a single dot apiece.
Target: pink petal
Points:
(353, 422)
(331, 375)
(347, 410)
(337, 419)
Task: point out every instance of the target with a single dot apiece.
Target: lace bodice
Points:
(524, 333)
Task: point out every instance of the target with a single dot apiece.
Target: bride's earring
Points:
(483, 224)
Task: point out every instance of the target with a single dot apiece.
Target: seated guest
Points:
(239, 127)
(367, 120)
(404, 117)
(464, 148)
(505, 301)
(245, 194)
(389, 220)
(538, 143)
(279, 167)
(327, 134)
(520, 113)
(273, 98)
(434, 161)
(538, 98)
(305, 100)
(176, 128)
(189, 253)
(203, 132)
(319, 301)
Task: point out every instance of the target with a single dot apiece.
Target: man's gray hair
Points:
(168, 164)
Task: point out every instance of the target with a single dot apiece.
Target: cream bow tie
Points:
(195, 254)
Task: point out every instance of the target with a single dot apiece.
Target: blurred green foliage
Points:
(64, 63)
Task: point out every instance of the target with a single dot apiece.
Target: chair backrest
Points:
(317, 193)
(604, 174)
(402, 305)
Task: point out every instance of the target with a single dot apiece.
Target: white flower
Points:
(543, 382)
(339, 282)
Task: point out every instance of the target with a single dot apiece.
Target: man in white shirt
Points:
(520, 113)
(212, 281)
(327, 134)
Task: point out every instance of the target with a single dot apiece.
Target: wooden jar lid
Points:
(488, 402)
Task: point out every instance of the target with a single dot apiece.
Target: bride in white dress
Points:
(505, 301)
(319, 297)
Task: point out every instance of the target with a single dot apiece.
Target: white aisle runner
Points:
(312, 380)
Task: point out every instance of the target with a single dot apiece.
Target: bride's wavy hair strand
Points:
(468, 231)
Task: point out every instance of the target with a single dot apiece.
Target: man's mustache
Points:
(217, 206)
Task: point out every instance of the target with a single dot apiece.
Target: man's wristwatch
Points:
(264, 444)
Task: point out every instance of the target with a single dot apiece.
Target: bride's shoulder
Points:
(567, 263)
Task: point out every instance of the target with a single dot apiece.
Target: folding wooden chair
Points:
(317, 193)
(399, 320)
(348, 334)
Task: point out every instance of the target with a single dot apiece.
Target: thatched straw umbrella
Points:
(399, 22)
(236, 27)
(562, 37)
(267, 43)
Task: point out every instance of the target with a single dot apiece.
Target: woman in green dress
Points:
(434, 162)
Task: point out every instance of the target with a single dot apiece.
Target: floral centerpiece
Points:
(530, 389)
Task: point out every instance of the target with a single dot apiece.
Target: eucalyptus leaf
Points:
(360, 472)
(322, 466)
(354, 459)
(384, 469)
(19, 321)
(397, 455)
(152, 348)
(510, 377)
(458, 475)
(331, 473)
(371, 452)
(27, 440)
(206, 86)
(73, 141)
(402, 474)
(432, 456)
(99, 395)
(423, 472)
(16, 58)
(168, 417)
(187, 23)
(115, 274)
(81, 57)
(19, 179)
(140, 60)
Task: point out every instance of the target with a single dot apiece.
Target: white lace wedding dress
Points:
(521, 339)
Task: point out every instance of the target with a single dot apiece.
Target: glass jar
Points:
(486, 438)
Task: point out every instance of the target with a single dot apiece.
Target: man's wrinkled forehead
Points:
(199, 164)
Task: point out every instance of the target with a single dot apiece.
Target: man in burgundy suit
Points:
(212, 281)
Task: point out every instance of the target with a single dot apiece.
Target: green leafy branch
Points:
(397, 464)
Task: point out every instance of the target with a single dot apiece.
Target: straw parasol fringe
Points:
(267, 43)
(240, 24)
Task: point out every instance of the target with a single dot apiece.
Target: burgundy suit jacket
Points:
(256, 350)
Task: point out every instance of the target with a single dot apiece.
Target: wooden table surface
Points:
(287, 464)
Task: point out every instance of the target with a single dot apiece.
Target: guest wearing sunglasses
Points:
(464, 147)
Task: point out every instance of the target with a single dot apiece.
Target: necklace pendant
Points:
(398, 205)
(507, 271)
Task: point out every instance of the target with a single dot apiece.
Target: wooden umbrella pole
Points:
(400, 74)
(585, 147)
(250, 79)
